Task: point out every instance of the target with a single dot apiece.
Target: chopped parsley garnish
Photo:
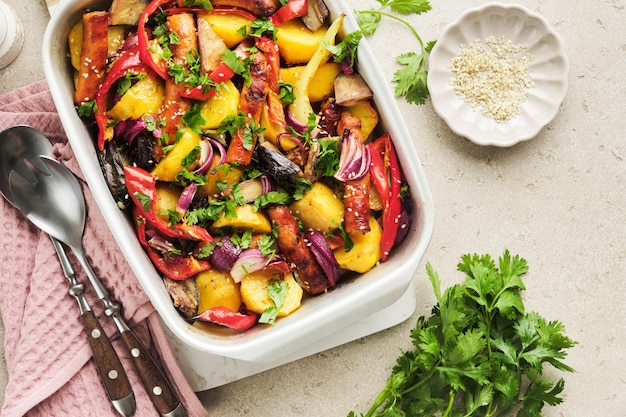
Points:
(277, 290)
(145, 201)
(327, 161)
(193, 118)
(232, 123)
(212, 212)
(273, 197)
(87, 109)
(346, 49)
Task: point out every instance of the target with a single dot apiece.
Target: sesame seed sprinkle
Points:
(493, 76)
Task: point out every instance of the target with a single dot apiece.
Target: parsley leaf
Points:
(87, 109)
(327, 162)
(272, 197)
(232, 123)
(193, 118)
(346, 48)
(145, 201)
(411, 79)
(479, 353)
(277, 291)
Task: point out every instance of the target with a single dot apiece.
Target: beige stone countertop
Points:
(558, 200)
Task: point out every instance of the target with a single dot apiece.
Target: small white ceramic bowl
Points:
(549, 70)
(319, 316)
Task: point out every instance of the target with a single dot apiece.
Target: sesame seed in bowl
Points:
(498, 74)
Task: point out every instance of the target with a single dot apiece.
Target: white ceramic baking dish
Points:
(319, 316)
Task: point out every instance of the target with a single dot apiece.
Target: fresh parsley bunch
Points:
(411, 79)
(479, 353)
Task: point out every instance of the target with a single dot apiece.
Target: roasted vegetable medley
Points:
(246, 147)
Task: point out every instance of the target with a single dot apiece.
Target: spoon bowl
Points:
(17, 145)
(53, 201)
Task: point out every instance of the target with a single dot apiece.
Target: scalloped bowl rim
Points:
(506, 134)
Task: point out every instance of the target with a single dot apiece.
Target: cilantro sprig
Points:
(411, 79)
(479, 353)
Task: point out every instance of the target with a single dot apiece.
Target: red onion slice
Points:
(185, 199)
(355, 159)
(159, 243)
(206, 157)
(220, 150)
(324, 255)
(267, 183)
(250, 260)
(129, 129)
(224, 255)
(295, 124)
(404, 224)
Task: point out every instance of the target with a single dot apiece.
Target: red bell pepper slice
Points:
(221, 74)
(387, 178)
(291, 10)
(143, 39)
(176, 267)
(141, 186)
(229, 318)
(129, 61)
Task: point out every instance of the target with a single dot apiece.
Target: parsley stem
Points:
(405, 23)
(421, 382)
(380, 399)
(450, 404)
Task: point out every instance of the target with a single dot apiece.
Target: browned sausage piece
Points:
(357, 205)
(258, 7)
(93, 56)
(294, 248)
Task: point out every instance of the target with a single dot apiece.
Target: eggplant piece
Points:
(126, 12)
(316, 15)
(184, 295)
(275, 164)
(141, 152)
(350, 89)
(112, 166)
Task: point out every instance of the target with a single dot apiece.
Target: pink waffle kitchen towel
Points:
(48, 359)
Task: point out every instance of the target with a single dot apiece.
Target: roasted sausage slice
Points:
(357, 205)
(258, 7)
(294, 248)
(93, 56)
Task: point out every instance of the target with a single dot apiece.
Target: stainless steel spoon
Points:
(55, 203)
(18, 145)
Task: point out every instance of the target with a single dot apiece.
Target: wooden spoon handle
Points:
(109, 366)
(154, 380)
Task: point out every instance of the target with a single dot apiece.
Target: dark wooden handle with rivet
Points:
(109, 366)
(154, 380)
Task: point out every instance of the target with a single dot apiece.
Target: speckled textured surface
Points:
(558, 200)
